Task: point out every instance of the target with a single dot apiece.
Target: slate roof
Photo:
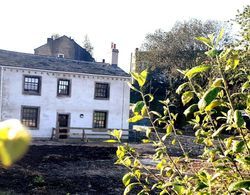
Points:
(24, 60)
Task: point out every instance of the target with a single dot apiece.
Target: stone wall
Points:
(188, 143)
(66, 46)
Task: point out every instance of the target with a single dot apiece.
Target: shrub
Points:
(221, 103)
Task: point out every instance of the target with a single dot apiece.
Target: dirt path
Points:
(61, 169)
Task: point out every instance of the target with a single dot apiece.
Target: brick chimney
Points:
(114, 57)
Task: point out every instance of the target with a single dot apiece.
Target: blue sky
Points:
(26, 24)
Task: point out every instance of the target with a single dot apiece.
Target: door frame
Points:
(63, 113)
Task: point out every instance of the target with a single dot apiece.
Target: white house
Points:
(46, 92)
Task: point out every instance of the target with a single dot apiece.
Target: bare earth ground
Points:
(61, 169)
(69, 168)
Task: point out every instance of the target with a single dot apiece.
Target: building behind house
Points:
(49, 91)
(64, 47)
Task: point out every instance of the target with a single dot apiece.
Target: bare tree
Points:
(87, 45)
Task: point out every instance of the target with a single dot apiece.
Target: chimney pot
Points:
(103, 60)
(49, 40)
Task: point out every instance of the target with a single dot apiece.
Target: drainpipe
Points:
(1, 92)
(122, 104)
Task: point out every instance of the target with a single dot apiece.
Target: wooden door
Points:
(63, 121)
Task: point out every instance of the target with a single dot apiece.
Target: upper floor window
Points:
(63, 87)
(101, 90)
(32, 85)
(100, 119)
(60, 55)
(30, 116)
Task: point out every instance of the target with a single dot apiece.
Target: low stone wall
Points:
(188, 143)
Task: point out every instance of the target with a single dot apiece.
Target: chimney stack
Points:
(114, 57)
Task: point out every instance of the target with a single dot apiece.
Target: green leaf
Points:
(212, 53)
(239, 185)
(179, 189)
(145, 141)
(127, 161)
(165, 102)
(140, 78)
(164, 137)
(187, 97)
(132, 87)
(151, 97)
(218, 131)
(120, 152)
(126, 179)
(200, 186)
(192, 72)
(138, 106)
(191, 109)
(236, 62)
(212, 105)
(208, 97)
(129, 188)
(135, 118)
(111, 141)
(144, 75)
(248, 102)
(205, 40)
(14, 141)
(245, 86)
(181, 71)
(238, 119)
(211, 37)
(155, 113)
(135, 75)
(224, 53)
(181, 87)
(218, 82)
(238, 146)
(116, 133)
(144, 111)
(244, 160)
(169, 130)
(137, 173)
(233, 62)
(148, 131)
(220, 36)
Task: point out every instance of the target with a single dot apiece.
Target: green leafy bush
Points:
(225, 165)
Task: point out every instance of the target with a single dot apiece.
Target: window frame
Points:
(106, 119)
(69, 87)
(37, 117)
(39, 85)
(108, 91)
(60, 55)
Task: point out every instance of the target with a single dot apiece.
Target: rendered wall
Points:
(81, 100)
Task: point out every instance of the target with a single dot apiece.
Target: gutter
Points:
(1, 92)
(67, 72)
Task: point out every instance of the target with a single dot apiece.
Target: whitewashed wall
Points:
(81, 100)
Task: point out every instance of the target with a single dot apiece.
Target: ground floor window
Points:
(100, 119)
(30, 116)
